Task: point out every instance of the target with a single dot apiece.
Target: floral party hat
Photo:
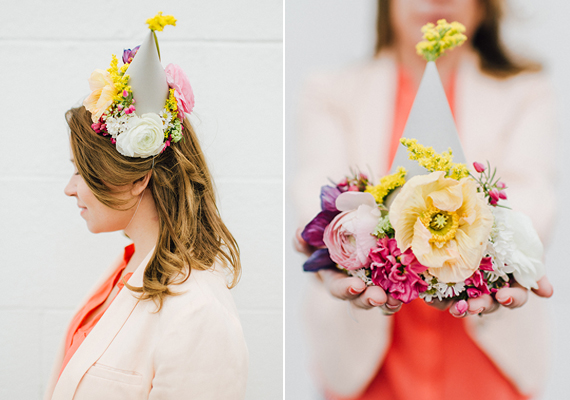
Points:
(140, 106)
(430, 120)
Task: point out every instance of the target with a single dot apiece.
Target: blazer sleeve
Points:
(321, 148)
(529, 157)
(201, 353)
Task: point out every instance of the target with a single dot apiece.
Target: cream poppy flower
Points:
(446, 223)
(102, 92)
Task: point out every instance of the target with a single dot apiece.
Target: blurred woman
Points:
(503, 109)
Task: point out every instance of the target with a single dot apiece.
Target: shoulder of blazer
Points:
(344, 87)
(203, 291)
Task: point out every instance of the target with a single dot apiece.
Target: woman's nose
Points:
(70, 189)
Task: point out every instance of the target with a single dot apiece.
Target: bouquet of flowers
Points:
(445, 234)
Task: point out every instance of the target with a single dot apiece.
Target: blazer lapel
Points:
(100, 337)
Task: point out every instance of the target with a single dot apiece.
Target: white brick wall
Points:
(232, 52)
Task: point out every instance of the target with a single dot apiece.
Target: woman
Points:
(504, 114)
(161, 323)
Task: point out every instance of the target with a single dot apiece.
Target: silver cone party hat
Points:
(431, 123)
(147, 78)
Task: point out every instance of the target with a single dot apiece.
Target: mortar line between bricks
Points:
(243, 42)
(42, 311)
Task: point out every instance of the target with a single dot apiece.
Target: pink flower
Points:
(349, 235)
(503, 195)
(501, 185)
(480, 285)
(479, 167)
(125, 93)
(397, 272)
(178, 81)
(494, 194)
(461, 306)
(486, 264)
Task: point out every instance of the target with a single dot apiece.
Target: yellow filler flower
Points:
(159, 21)
(440, 37)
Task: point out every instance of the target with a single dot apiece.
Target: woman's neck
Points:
(142, 230)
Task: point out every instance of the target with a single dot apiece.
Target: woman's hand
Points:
(511, 297)
(349, 288)
(301, 246)
(354, 290)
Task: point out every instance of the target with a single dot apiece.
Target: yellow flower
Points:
(387, 184)
(446, 222)
(440, 37)
(102, 93)
(432, 161)
(158, 22)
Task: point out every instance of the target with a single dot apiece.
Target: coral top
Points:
(80, 327)
(431, 356)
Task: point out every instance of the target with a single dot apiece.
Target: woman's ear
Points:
(141, 184)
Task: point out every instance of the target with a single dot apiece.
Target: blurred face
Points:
(98, 216)
(408, 16)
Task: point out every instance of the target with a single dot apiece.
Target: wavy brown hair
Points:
(494, 57)
(192, 235)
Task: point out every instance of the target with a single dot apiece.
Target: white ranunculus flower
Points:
(143, 138)
(517, 247)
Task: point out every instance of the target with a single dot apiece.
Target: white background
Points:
(232, 52)
(330, 34)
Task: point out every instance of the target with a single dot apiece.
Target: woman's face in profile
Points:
(408, 16)
(98, 216)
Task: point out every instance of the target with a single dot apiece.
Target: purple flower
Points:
(314, 231)
(396, 272)
(129, 54)
(328, 198)
(320, 259)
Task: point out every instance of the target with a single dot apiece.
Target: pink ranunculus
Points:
(396, 272)
(349, 235)
(178, 81)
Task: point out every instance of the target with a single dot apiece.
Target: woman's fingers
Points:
(300, 245)
(392, 306)
(545, 288)
(341, 286)
(353, 289)
(480, 305)
(372, 296)
(439, 304)
(512, 297)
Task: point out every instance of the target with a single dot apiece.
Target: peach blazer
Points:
(192, 349)
(346, 121)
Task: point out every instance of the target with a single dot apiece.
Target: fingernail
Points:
(352, 290)
(478, 311)
(459, 315)
(374, 303)
(508, 302)
(392, 307)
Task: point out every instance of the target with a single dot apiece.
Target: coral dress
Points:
(81, 325)
(431, 356)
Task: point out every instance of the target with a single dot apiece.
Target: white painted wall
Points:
(330, 34)
(232, 52)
